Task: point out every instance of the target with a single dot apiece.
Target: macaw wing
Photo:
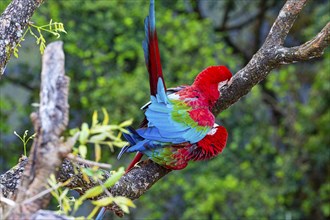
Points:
(169, 120)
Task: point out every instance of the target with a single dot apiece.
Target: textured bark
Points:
(272, 54)
(10, 180)
(49, 122)
(12, 23)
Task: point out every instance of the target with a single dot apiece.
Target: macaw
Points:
(180, 116)
(178, 125)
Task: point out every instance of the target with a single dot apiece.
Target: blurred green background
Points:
(276, 163)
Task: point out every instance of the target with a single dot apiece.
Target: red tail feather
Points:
(136, 159)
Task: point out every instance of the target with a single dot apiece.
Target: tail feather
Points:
(132, 138)
(151, 50)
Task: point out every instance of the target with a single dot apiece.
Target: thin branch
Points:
(310, 49)
(88, 162)
(284, 22)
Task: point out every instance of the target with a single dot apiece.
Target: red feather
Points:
(153, 63)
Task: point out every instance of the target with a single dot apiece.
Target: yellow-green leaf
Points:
(114, 178)
(97, 152)
(94, 119)
(124, 203)
(82, 150)
(120, 143)
(91, 215)
(84, 133)
(103, 128)
(106, 117)
(92, 192)
(103, 202)
(123, 200)
(78, 203)
(98, 137)
(126, 123)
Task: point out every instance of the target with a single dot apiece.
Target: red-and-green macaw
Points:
(179, 125)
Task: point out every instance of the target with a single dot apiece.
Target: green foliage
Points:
(53, 28)
(99, 134)
(69, 205)
(25, 139)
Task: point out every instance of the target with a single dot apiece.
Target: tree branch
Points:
(49, 122)
(272, 54)
(12, 23)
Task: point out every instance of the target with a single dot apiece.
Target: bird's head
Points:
(210, 80)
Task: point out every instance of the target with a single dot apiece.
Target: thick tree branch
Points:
(284, 22)
(49, 122)
(12, 23)
(272, 54)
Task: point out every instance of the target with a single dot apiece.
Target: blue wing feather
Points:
(161, 126)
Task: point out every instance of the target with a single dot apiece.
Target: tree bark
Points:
(12, 23)
(48, 150)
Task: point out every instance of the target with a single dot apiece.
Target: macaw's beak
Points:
(224, 83)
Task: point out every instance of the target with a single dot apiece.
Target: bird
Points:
(178, 126)
(175, 117)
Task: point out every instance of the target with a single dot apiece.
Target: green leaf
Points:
(106, 117)
(82, 150)
(103, 202)
(114, 178)
(124, 200)
(84, 133)
(93, 192)
(97, 148)
(126, 123)
(124, 203)
(94, 211)
(94, 118)
(103, 128)
(98, 137)
(119, 143)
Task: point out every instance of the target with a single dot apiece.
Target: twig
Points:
(88, 162)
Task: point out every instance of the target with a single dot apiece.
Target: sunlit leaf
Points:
(94, 118)
(93, 192)
(98, 137)
(82, 150)
(97, 152)
(126, 123)
(103, 202)
(84, 133)
(106, 117)
(114, 178)
(123, 203)
(93, 212)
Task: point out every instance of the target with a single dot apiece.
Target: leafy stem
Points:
(53, 28)
(25, 139)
